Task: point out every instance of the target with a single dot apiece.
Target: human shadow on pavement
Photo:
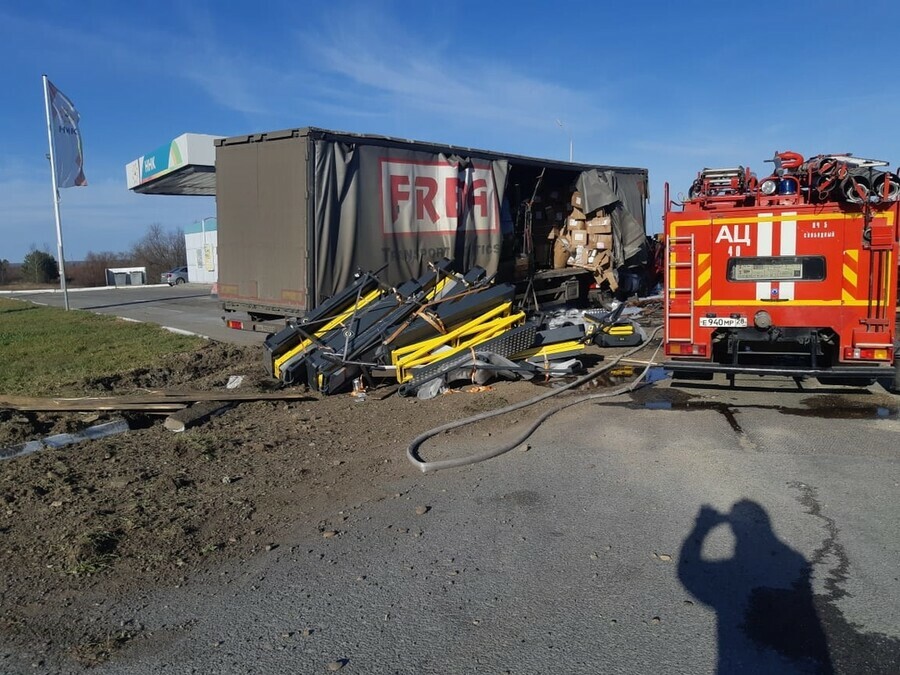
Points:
(765, 612)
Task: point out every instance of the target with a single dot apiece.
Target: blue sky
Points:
(671, 86)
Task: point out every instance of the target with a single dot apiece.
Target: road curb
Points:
(36, 291)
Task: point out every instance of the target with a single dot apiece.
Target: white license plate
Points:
(722, 322)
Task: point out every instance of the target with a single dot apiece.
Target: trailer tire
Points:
(260, 316)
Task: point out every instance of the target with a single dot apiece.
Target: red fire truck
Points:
(795, 274)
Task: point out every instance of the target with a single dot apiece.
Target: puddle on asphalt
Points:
(823, 407)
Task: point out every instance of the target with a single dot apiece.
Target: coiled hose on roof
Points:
(412, 452)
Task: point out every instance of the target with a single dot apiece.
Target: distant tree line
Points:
(158, 250)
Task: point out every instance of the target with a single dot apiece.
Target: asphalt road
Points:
(187, 307)
(677, 530)
(680, 531)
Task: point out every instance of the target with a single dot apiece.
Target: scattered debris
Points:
(62, 440)
(433, 330)
(195, 414)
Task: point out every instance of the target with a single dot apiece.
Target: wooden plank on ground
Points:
(195, 414)
(152, 401)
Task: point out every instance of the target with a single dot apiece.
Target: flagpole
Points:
(59, 239)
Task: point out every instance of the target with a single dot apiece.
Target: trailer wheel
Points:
(259, 316)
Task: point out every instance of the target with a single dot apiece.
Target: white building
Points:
(201, 240)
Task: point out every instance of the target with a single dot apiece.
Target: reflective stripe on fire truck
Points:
(788, 245)
(704, 278)
(851, 277)
(764, 248)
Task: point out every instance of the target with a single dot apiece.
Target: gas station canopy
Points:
(186, 166)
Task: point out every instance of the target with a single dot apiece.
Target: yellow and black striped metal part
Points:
(465, 336)
(336, 322)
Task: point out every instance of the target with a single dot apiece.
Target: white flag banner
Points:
(66, 140)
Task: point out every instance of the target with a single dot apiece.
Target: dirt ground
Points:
(150, 507)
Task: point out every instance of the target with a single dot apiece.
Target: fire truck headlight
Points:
(762, 319)
(768, 187)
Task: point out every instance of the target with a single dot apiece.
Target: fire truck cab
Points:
(794, 275)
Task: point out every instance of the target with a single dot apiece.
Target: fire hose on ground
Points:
(412, 452)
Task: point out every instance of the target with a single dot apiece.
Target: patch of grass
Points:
(93, 653)
(45, 350)
(93, 552)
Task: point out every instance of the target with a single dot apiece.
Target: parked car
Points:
(177, 276)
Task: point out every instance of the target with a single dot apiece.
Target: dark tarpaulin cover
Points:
(624, 196)
(377, 206)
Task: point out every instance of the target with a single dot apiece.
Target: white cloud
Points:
(392, 71)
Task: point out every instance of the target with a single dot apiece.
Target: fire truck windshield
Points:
(775, 268)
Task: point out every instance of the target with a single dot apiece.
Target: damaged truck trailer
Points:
(301, 211)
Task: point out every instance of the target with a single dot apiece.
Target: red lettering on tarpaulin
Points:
(479, 198)
(426, 191)
(397, 195)
(452, 189)
(421, 197)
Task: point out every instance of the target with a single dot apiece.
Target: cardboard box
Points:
(575, 224)
(601, 225)
(560, 253)
(581, 255)
(601, 241)
(599, 260)
(579, 237)
(578, 214)
(577, 199)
